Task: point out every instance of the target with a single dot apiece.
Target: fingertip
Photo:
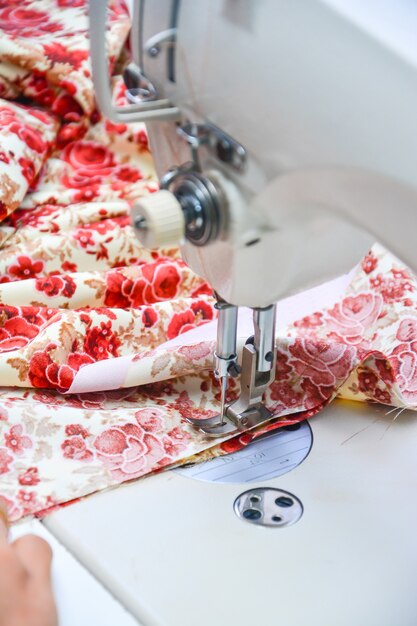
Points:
(35, 553)
(40, 544)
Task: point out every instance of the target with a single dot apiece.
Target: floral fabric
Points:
(57, 448)
(27, 136)
(44, 52)
(79, 295)
(44, 56)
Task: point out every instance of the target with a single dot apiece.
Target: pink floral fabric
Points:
(78, 292)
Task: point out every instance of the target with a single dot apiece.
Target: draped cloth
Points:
(98, 376)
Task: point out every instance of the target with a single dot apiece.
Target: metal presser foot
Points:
(257, 371)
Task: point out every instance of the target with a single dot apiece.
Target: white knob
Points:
(158, 220)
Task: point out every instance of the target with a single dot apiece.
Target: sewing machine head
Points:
(281, 138)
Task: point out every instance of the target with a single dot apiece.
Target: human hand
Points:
(26, 597)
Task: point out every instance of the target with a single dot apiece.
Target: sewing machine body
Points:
(302, 90)
(325, 113)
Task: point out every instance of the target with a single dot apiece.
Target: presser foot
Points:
(256, 372)
(248, 410)
(231, 424)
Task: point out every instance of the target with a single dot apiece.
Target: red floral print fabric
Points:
(44, 52)
(27, 137)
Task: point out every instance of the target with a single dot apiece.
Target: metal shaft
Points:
(225, 353)
(264, 337)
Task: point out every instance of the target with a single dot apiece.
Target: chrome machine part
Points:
(257, 373)
(218, 143)
(264, 337)
(139, 88)
(204, 206)
(145, 105)
(225, 357)
(153, 45)
(270, 507)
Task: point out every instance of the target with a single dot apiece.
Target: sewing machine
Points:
(245, 193)
(284, 133)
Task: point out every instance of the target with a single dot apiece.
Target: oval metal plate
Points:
(265, 506)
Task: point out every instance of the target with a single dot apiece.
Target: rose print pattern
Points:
(350, 319)
(45, 51)
(19, 325)
(403, 360)
(27, 138)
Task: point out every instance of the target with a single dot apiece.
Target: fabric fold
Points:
(27, 138)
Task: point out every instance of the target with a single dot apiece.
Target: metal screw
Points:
(154, 51)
